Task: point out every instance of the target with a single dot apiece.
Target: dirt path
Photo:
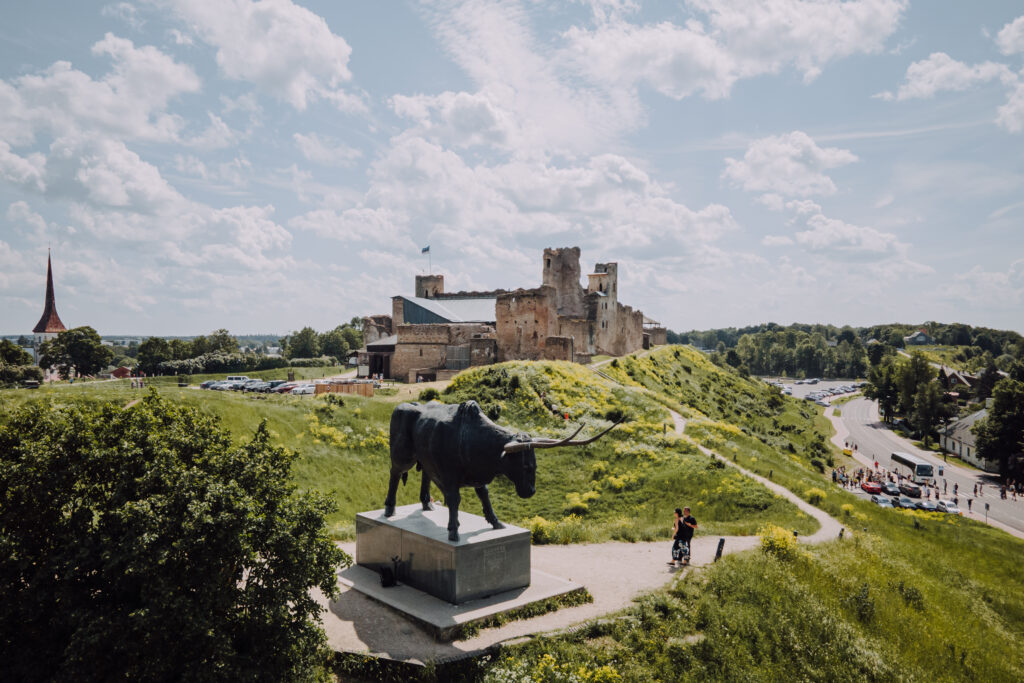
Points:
(615, 573)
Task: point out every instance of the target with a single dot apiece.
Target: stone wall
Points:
(429, 286)
(483, 351)
(581, 331)
(525, 318)
(558, 348)
(659, 335)
(425, 346)
(397, 312)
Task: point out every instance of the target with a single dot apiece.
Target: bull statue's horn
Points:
(552, 443)
(515, 446)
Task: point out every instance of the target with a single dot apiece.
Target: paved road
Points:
(876, 442)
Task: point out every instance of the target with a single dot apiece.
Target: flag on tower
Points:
(425, 250)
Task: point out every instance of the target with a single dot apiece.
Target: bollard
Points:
(718, 553)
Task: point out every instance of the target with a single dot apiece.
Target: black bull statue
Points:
(457, 446)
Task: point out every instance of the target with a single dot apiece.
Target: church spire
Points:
(50, 322)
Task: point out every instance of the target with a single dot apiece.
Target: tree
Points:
(139, 543)
(333, 343)
(79, 349)
(23, 340)
(353, 336)
(13, 354)
(152, 353)
(1000, 433)
(221, 340)
(180, 349)
(304, 344)
(929, 409)
(883, 387)
(987, 381)
(910, 375)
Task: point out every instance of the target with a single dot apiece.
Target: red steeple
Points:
(50, 322)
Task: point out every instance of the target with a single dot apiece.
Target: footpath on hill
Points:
(615, 573)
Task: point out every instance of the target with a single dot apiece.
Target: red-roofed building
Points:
(49, 324)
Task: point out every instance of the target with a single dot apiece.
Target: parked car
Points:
(208, 383)
(890, 489)
(947, 506)
(881, 501)
(304, 389)
(909, 488)
(274, 384)
(251, 384)
(222, 385)
(871, 487)
(286, 387)
(904, 502)
(237, 378)
(926, 505)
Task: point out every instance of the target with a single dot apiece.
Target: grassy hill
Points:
(906, 596)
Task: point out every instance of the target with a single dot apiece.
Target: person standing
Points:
(682, 536)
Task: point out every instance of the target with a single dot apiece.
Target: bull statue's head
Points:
(520, 462)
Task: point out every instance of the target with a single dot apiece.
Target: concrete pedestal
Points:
(483, 562)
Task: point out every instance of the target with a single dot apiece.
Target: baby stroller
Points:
(681, 552)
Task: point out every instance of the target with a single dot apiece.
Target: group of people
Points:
(682, 534)
(138, 383)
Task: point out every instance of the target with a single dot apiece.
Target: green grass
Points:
(907, 596)
(890, 604)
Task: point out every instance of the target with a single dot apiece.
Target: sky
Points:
(266, 165)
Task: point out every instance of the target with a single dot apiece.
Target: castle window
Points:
(549, 263)
(421, 352)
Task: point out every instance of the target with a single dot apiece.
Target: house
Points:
(959, 440)
(955, 380)
(919, 338)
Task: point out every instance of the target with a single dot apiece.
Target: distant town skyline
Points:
(263, 166)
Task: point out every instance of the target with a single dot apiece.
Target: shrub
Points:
(814, 496)
(541, 530)
(861, 603)
(818, 464)
(778, 542)
(429, 394)
(321, 362)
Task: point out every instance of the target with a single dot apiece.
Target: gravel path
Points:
(615, 573)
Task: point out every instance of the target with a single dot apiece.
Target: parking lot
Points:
(829, 389)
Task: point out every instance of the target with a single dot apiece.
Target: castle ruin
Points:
(435, 334)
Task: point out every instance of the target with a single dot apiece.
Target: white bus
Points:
(921, 471)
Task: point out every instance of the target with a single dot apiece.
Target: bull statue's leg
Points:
(452, 499)
(425, 492)
(389, 502)
(485, 501)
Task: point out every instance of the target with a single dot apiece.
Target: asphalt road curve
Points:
(876, 442)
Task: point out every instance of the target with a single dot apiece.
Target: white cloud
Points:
(737, 39)
(326, 151)
(776, 241)
(1010, 38)
(28, 172)
(790, 165)
(130, 101)
(283, 48)
(459, 119)
(1011, 115)
(988, 289)
(940, 73)
(106, 173)
(21, 213)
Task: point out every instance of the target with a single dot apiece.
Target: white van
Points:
(237, 378)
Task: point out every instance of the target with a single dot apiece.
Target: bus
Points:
(921, 471)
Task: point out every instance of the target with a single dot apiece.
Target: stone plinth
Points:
(483, 562)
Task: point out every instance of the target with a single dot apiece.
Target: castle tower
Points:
(562, 271)
(49, 324)
(429, 286)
